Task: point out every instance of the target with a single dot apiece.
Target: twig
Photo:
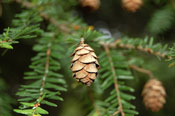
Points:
(97, 109)
(142, 70)
(45, 16)
(46, 70)
(94, 104)
(48, 52)
(173, 4)
(139, 48)
(115, 113)
(115, 81)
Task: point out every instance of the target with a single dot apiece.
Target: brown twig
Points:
(97, 109)
(142, 70)
(115, 81)
(115, 113)
(94, 104)
(48, 52)
(173, 4)
(46, 70)
(118, 44)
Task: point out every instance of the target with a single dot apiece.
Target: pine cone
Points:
(84, 64)
(91, 4)
(154, 95)
(132, 5)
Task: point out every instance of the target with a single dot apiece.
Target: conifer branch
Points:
(46, 70)
(142, 70)
(97, 110)
(172, 54)
(5, 100)
(45, 16)
(156, 26)
(5, 41)
(48, 82)
(25, 26)
(172, 3)
(48, 52)
(115, 81)
(118, 43)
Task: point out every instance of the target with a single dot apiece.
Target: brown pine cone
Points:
(132, 5)
(154, 95)
(91, 4)
(84, 64)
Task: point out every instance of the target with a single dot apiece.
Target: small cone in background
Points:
(91, 4)
(132, 5)
(154, 95)
(84, 64)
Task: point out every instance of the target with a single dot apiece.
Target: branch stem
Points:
(142, 70)
(118, 44)
(173, 4)
(94, 104)
(48, 52)
(46, 70)
(115, 81)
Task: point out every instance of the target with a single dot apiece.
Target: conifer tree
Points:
(106, 68)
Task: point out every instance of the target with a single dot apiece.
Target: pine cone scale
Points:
(77, 66)
(92, 76)
(81, 74)
(91, 68)
(79, 48)
(89, 48)
(93, 54)
(87, 59)
(96, 62)
(82, 52)
(75, 58)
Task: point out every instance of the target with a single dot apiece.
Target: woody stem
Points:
(115, 81)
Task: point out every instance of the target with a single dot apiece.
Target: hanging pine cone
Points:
(91, 4)
(132, 5)
(154, 95)
(84, 64)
